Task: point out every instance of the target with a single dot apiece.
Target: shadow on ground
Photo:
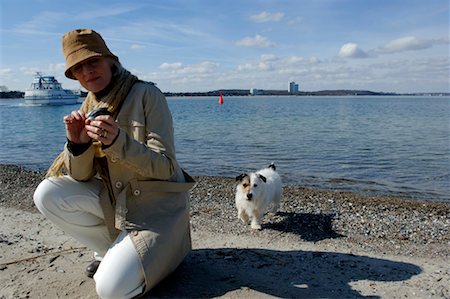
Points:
(210, 273)
(309, 227)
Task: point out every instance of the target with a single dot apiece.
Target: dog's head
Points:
(249, 184)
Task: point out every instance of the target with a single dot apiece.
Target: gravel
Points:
(380, 224)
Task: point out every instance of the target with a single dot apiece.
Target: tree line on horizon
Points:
(246, 92)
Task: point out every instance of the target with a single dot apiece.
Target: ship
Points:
(46, 90)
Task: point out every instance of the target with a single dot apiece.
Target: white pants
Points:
(75, 207)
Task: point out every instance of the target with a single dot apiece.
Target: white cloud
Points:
(407, 43)
(203, 67)
(295, 59)
(40, 23)
(257, 41)
(257, 66)
(314, 60)
(267, 17)
(6, 75)
(268, 57)
(137, 47)
(295, 21)
(201, 76)
(272, 72)
(5, 72)
(351, 50)
(287, 65)
(58, 68)
(108, 11)
(175, 65)
(178, 67)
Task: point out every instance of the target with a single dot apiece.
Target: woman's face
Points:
(94, 73)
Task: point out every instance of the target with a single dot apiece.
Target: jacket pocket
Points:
(153, 201)
(139, 187)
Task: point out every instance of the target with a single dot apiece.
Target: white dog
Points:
(255, 192)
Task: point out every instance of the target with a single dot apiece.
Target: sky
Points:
(202, 45)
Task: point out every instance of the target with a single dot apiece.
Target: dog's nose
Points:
(249, 196)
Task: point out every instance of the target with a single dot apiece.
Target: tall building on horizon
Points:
(293, 88)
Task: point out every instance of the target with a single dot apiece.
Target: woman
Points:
(117, 186)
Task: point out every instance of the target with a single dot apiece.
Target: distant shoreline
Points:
(8, 95)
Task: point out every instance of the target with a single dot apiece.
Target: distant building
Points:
(293, 87)
(257, 92)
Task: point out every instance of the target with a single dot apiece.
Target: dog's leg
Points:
(275, 206)
(243, 216)
(255, 220)
(255, 224)
(276, 201)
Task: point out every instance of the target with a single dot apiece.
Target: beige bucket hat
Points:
(81, 44)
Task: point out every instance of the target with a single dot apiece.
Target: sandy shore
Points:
(322, 244)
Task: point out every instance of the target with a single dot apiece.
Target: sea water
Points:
(390, 145)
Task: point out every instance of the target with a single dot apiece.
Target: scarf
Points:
(121, 83)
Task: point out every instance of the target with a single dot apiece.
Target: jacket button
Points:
(137, 192)
(119, 184)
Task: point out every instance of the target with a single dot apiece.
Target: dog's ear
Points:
(263, 178)
(240, 177)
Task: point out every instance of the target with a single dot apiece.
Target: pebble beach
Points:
(320, 244)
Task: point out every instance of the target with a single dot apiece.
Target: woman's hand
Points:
(103, 128)
(75, 127)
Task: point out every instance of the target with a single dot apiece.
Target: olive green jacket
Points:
(151, 190)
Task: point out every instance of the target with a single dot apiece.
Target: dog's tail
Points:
(272, 165)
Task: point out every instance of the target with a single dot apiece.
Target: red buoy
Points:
(220, 98)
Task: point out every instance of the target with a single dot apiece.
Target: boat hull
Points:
(42, 98)
(52, 101)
